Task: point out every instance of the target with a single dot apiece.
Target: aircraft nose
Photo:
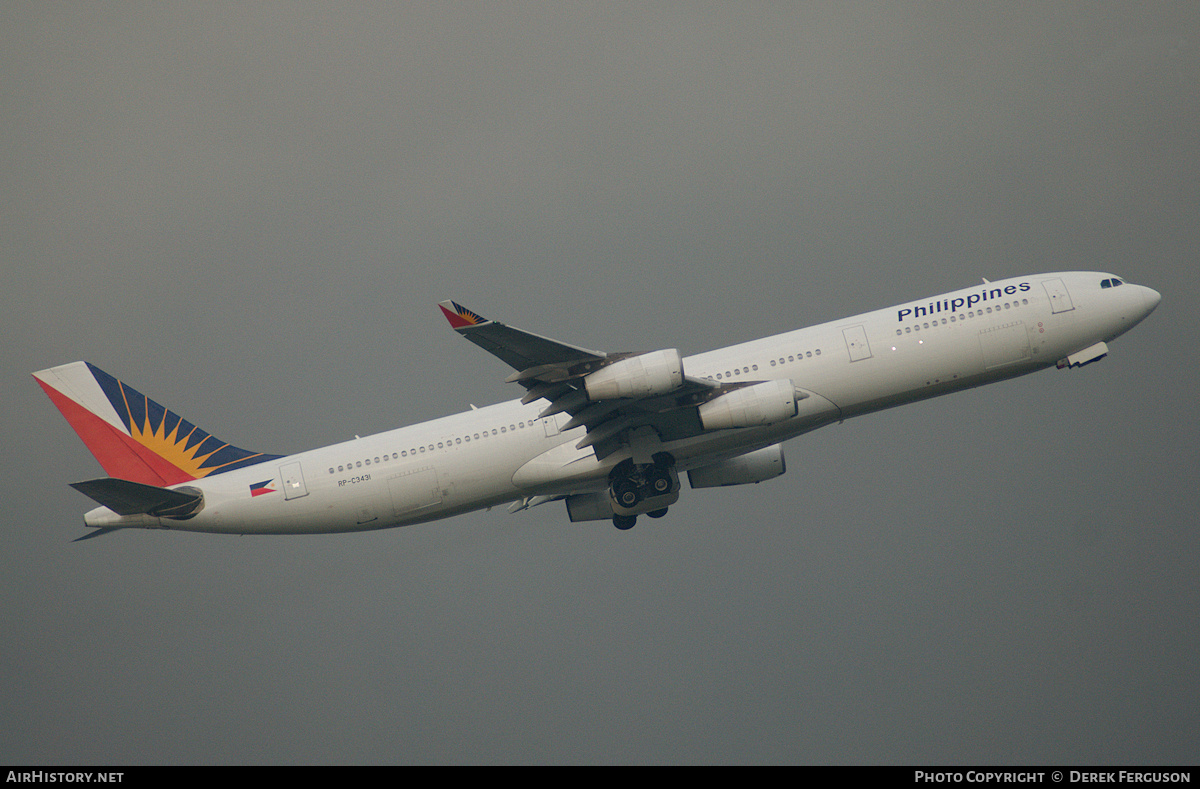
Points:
(1152, 297)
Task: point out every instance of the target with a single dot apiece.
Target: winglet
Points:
(459, 316)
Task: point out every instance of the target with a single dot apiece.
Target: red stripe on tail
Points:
(119, 454)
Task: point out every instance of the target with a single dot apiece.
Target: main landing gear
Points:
(646, 488)
(624, 522)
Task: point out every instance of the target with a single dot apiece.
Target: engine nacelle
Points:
(763, 464)
(590, 507)
(751, 406)
(649, 374)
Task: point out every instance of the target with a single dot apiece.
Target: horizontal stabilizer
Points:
(97, 533)
(133, 498)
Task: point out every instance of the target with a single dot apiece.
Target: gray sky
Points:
(250, 211)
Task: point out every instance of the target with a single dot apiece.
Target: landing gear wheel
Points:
(624, 522)
(658, 513)
(659, 481)
(626, 493)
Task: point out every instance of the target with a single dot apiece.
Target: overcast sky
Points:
(249, 211)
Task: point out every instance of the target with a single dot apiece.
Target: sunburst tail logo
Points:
(459, 316)
(132, 436)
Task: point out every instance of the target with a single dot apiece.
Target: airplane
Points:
(607, 433)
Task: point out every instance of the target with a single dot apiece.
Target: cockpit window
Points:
(1110, 283)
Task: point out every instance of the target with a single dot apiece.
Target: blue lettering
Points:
(953, 305)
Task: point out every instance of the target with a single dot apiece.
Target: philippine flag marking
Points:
(261, 488)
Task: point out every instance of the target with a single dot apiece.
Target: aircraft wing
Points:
(556, 371)
(519, 349)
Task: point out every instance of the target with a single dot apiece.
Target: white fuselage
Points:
(504, 452)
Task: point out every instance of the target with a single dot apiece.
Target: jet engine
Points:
(590, 507)
(763, 464)
(646, 375)
(750, 406)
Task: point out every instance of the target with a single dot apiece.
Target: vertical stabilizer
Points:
(133, 437)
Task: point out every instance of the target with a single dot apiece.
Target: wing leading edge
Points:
(610, 409)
